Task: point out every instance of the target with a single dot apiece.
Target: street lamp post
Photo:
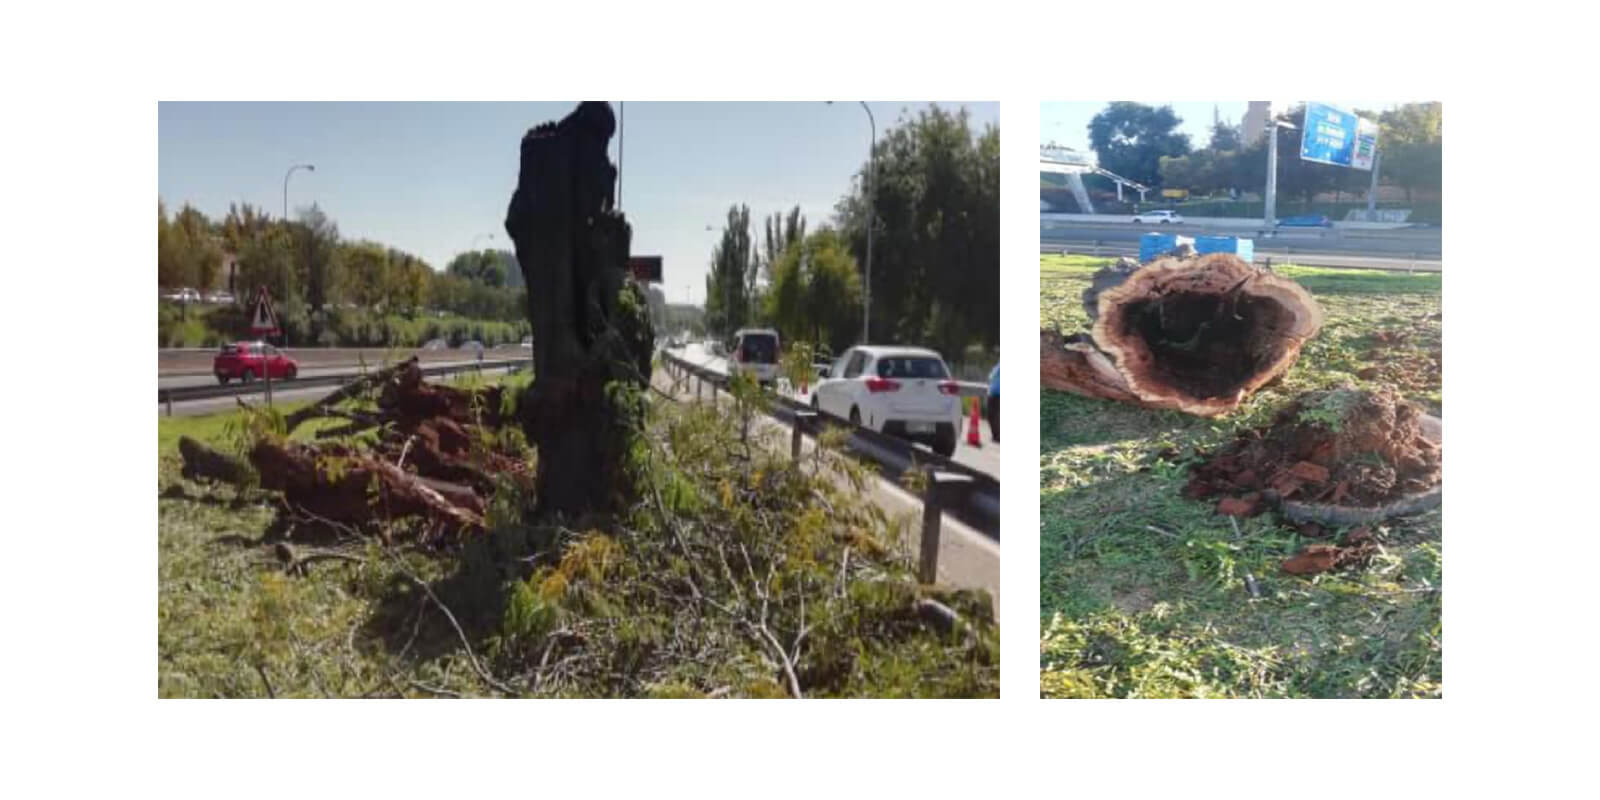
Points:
(266, 371)
(1372, 191)
(872, 168)
(307, 167)
(1271, 215)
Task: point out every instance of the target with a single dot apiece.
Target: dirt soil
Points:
(1345, 447)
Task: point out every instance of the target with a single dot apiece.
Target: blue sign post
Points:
(1335, 136)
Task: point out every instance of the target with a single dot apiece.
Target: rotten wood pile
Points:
(1195, 334)
(1331, 459)
(423, 464)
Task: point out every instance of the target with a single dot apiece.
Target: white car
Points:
(900, 391)
(184, 296)
(755, 350)
(1162, 217)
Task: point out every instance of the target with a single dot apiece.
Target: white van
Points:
(755, 351)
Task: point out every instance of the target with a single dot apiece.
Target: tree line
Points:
(1142, 143)
(310, 269)
(934, 198)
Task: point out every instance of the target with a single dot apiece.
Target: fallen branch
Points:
(201, 461)
(345, 392)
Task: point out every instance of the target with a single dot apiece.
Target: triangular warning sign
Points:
(264, 321)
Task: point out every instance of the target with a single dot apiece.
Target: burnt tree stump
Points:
(1197, 335)
(591, 332)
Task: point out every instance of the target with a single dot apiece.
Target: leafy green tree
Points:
(816, 292)
(487, 267)
(1224, 138)
(1130, 139)
(936, 245)
(366, 274)
(1202, 172)
(188, 253)
(730, 284)
(169, 253)
(266, 259)
(780, 231)
(407, 286)
(243, 223)
(317, 257)
(1411, 138)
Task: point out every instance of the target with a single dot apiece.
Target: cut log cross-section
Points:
(1197, 335)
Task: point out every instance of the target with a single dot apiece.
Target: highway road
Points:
(282, 392)
(1398, 249)
(171, 381)
(984, 459)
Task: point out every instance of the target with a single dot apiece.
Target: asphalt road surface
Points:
(985, 458)
(1402, 249)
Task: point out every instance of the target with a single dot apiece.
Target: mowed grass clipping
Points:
(1143, 593)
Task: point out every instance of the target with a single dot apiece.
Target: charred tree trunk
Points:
(1194, 334)
(591, 332)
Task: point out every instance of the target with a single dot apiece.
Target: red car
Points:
(249, 361)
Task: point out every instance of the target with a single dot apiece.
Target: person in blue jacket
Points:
(992, 411)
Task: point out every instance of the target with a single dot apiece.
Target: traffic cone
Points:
(973, 438)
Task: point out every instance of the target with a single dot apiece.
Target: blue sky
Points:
(1067, 124)
(433, 179)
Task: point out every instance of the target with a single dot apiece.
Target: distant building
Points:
(1254, 123)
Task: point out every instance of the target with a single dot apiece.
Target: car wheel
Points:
(945, 444)
(855, 416)
(246, 376)
(222, 379)
(293, 371)
(1165, 221)
(816, 405)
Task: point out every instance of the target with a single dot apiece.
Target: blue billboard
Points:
(1335, 136)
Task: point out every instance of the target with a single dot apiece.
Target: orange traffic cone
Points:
(973, 438)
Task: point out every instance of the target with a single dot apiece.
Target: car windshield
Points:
(761, 349)
(911, 367)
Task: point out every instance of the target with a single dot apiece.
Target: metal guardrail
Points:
(1384, 262)
(979, 504)
(183, 394)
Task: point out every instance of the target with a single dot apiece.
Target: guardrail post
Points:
(267, 371)
(168, 396)
(697, 383)
(802, 419)
(940, 486)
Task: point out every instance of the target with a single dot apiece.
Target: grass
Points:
(607, 597)
(1143, 593)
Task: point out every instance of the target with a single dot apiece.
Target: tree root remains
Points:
(1330, 459)
(430, 462)
(1198, 335)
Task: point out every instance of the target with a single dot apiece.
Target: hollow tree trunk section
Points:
(1194, 334)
